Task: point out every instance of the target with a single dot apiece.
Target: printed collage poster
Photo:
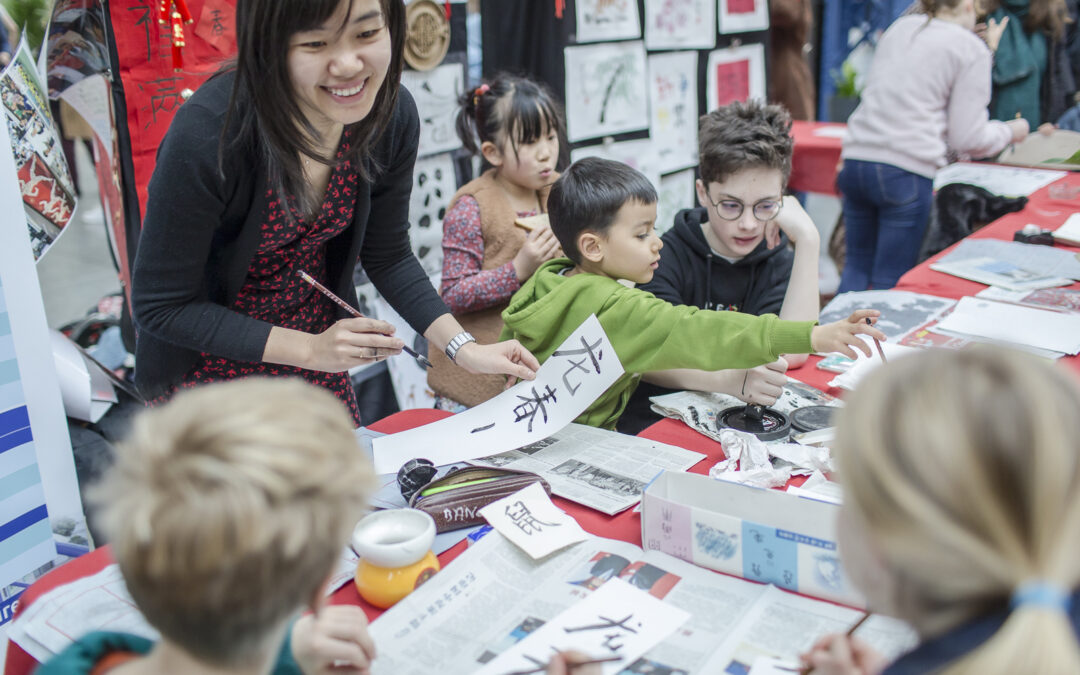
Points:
(47, 190)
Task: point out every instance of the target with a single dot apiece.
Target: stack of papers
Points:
(1051, 333)
(1011, 265)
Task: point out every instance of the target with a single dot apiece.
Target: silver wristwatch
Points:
(457, 342)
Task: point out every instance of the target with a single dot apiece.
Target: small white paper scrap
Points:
(616, 620)
(574, 376)
(533, 523)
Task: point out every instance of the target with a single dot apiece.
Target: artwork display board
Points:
(605, 89)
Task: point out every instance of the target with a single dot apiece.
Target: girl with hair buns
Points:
(516, 126)
(926, 93)
(961, 515)
(296, 158)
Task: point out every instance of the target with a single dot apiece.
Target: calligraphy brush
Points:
(422, 360)
(806, 670)
(877, 343)
(569, 667)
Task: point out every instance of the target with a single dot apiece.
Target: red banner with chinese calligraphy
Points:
(153, 88)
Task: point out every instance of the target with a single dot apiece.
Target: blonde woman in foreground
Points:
(961, 474)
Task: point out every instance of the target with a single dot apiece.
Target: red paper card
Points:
(732, 82)
(741, 6)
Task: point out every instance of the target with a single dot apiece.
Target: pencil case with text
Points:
(455, 500)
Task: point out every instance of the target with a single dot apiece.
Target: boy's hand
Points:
(764, 384)
(841, 655)
(1019, 128)
(795, 222)
(839, 336)
(335, 640)
(562, 663)
(540, 246)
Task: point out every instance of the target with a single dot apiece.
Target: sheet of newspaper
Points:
(1038, 260)
(494, 595)
(601, 469)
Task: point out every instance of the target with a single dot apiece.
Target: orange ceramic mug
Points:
(394, 546)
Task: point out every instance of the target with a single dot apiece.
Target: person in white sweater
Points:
(927, 91)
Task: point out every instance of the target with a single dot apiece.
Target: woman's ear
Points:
(591, 246)
(491, 153)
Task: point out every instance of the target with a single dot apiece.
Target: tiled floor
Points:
(78, 269)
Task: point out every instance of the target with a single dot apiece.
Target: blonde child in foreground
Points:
(226, 510)
(603, 213)
(961, 475)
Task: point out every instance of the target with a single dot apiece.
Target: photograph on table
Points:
(603, 20)
(653, 580)
(436, 93)
(673, 109)
(735, 74)
(600, 568)
(434, 183)
(606, 89)
(680, 24)
(741, 16)
(48, 193)
(676, 192)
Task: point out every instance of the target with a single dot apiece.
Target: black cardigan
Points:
(201, 232)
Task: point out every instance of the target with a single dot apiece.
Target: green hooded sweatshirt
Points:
(648, 334)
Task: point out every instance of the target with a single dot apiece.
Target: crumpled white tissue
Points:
(749, 460)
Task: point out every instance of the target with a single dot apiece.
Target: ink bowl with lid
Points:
(394, 546)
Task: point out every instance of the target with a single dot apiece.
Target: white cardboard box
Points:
(761, 535)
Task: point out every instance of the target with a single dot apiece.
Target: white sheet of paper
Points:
(616, 620)
(605, 89)
(676, 191)
(533, 523)
(574, 376)
(680, 24)
(741, 21)
(834, 131)
(604, 20)
(1008, 181)
(673, 108)
(866, 364)
(640, 154)
(436, 92)
(1014, 325)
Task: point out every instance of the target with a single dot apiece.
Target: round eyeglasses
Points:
(730, 208)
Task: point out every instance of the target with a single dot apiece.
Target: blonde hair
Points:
(228, 507)
(965, 468)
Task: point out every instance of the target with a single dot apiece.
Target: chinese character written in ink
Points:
(533, 405)
(483, 428)
(524, 520)
(594, 352)
(217, 28)
(163, 97)
(611, 640)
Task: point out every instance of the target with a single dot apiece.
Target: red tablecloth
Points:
(815, 157)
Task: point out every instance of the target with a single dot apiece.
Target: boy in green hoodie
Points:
(603, 213)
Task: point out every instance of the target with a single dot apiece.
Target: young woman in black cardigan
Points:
(298, 158)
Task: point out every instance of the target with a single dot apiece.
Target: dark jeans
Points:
(885, 214)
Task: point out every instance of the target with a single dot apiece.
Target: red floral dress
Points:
(275, 293)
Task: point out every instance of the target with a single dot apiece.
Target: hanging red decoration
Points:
(446, 7)
(560, 5)
(176, 14)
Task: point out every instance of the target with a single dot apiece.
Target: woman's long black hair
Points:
(263, 113)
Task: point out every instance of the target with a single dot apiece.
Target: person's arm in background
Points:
(969, 128)
(802, 300)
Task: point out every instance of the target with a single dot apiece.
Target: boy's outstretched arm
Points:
(839, 336)
(802, 300)
(761, 385)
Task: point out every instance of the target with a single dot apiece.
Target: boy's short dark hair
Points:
(589, 194)
(741, 135)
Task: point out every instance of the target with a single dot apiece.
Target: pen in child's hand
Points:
(806, 670)
(877, 343)
(422, 360)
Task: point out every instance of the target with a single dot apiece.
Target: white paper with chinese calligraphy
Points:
(680, 24)
(436, 93)
(533, 523)
(574, 376)
(616, 620)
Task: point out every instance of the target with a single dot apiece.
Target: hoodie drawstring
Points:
(708, 281)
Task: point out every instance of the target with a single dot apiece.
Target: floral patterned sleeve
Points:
(465, 286)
